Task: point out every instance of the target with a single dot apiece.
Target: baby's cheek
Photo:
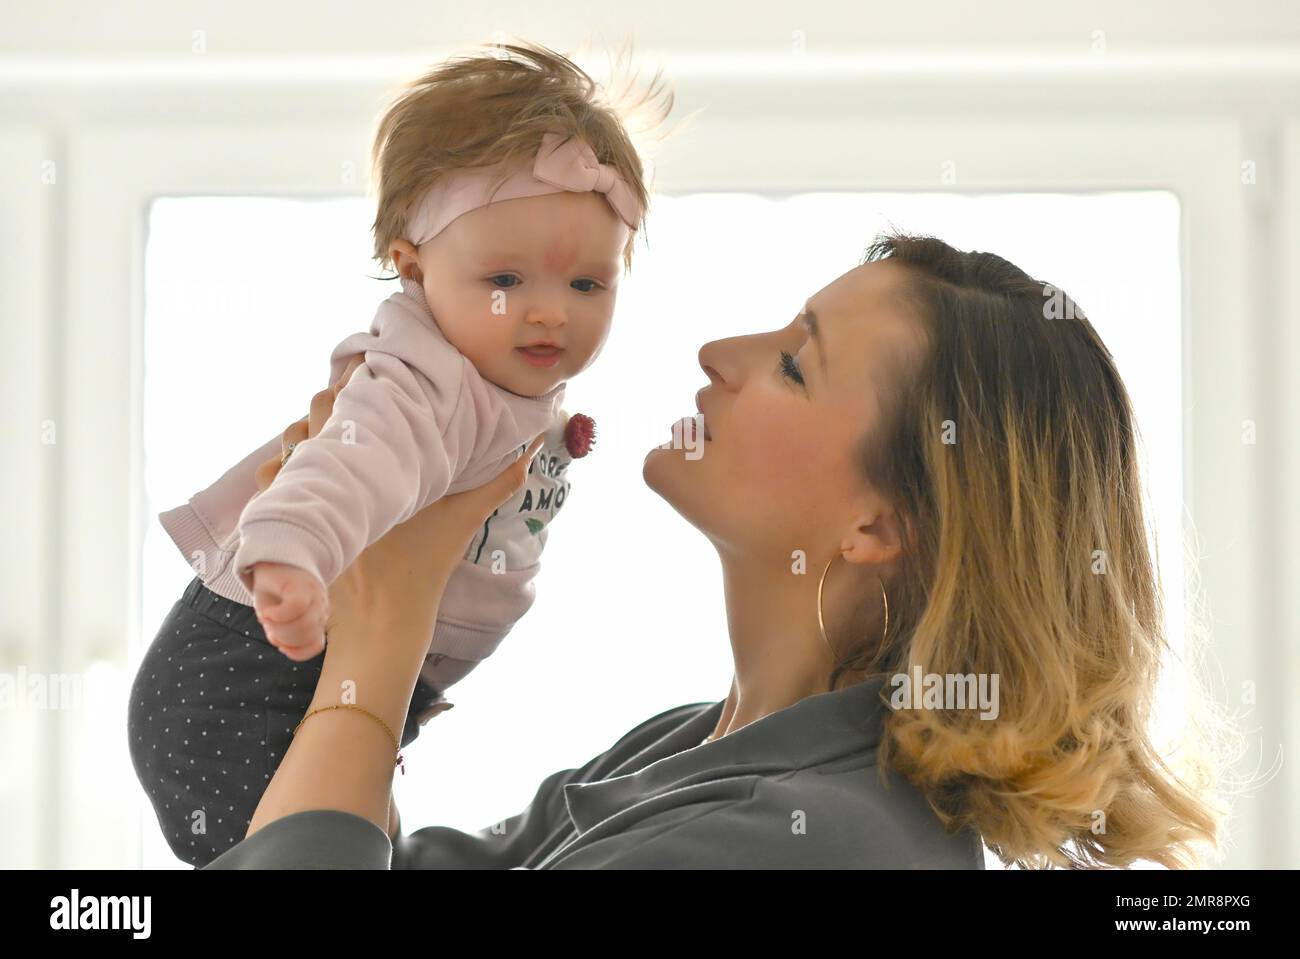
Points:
(483, 338)
(596, 339)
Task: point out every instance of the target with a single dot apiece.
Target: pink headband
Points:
(560, 165)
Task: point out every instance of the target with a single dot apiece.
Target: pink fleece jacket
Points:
(416, 422)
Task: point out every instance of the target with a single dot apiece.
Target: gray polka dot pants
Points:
(212, 711)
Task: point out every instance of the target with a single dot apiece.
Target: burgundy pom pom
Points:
(579, 435)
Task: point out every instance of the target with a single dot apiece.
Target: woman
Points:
(923, 474)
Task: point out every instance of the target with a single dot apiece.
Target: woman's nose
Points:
(710, 357)
(725, 362)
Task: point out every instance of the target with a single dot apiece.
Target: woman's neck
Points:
(779, 656)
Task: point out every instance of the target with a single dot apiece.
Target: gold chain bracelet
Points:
(396, 744)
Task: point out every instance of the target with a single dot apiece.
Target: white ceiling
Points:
(257, 28)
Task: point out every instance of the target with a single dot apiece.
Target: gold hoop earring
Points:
(821, 624)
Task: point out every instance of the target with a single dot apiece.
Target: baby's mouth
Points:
(540, 355)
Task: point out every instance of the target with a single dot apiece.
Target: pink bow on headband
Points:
(572, 165)
(559, 165)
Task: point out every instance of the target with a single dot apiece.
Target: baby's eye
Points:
(503, 276)
(588, 289)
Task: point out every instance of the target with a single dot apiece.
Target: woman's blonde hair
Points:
(493, 107)
(1012, 460)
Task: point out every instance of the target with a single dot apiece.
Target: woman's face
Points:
(778, 471)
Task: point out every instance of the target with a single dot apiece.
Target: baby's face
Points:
(510, 274)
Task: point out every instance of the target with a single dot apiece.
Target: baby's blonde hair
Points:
(490, 108)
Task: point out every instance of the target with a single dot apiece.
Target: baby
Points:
(509, 196)
(509, 272)
(503, 301)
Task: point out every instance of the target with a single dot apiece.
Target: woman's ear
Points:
(876, 538)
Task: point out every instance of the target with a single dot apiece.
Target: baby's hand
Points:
(292, 607)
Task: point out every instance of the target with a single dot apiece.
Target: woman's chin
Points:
(661, 470)
(652, 467)
(673, 474)
(664, 471)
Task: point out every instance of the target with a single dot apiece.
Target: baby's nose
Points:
(549, 317)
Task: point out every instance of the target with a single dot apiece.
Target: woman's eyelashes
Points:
(591, 287)
(789, 368)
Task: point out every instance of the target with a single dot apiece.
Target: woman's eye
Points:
(503, 276)
(789, 368)
(588, 289)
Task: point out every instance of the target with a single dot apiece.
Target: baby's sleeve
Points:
(387, 450)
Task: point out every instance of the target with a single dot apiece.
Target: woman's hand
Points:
(391, 592)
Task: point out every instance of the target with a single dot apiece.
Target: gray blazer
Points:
(799, 789)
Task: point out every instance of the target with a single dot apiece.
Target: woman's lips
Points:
(543, 356)
(692, 429)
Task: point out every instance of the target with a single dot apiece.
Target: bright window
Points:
(245, 297)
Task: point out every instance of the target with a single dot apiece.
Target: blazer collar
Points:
(812, 731)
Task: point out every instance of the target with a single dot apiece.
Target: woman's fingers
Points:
(474, 506)
(518, 471)
(353, 364)
(294, 434)
(431, 543)
(322, 404)
(267, 472)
